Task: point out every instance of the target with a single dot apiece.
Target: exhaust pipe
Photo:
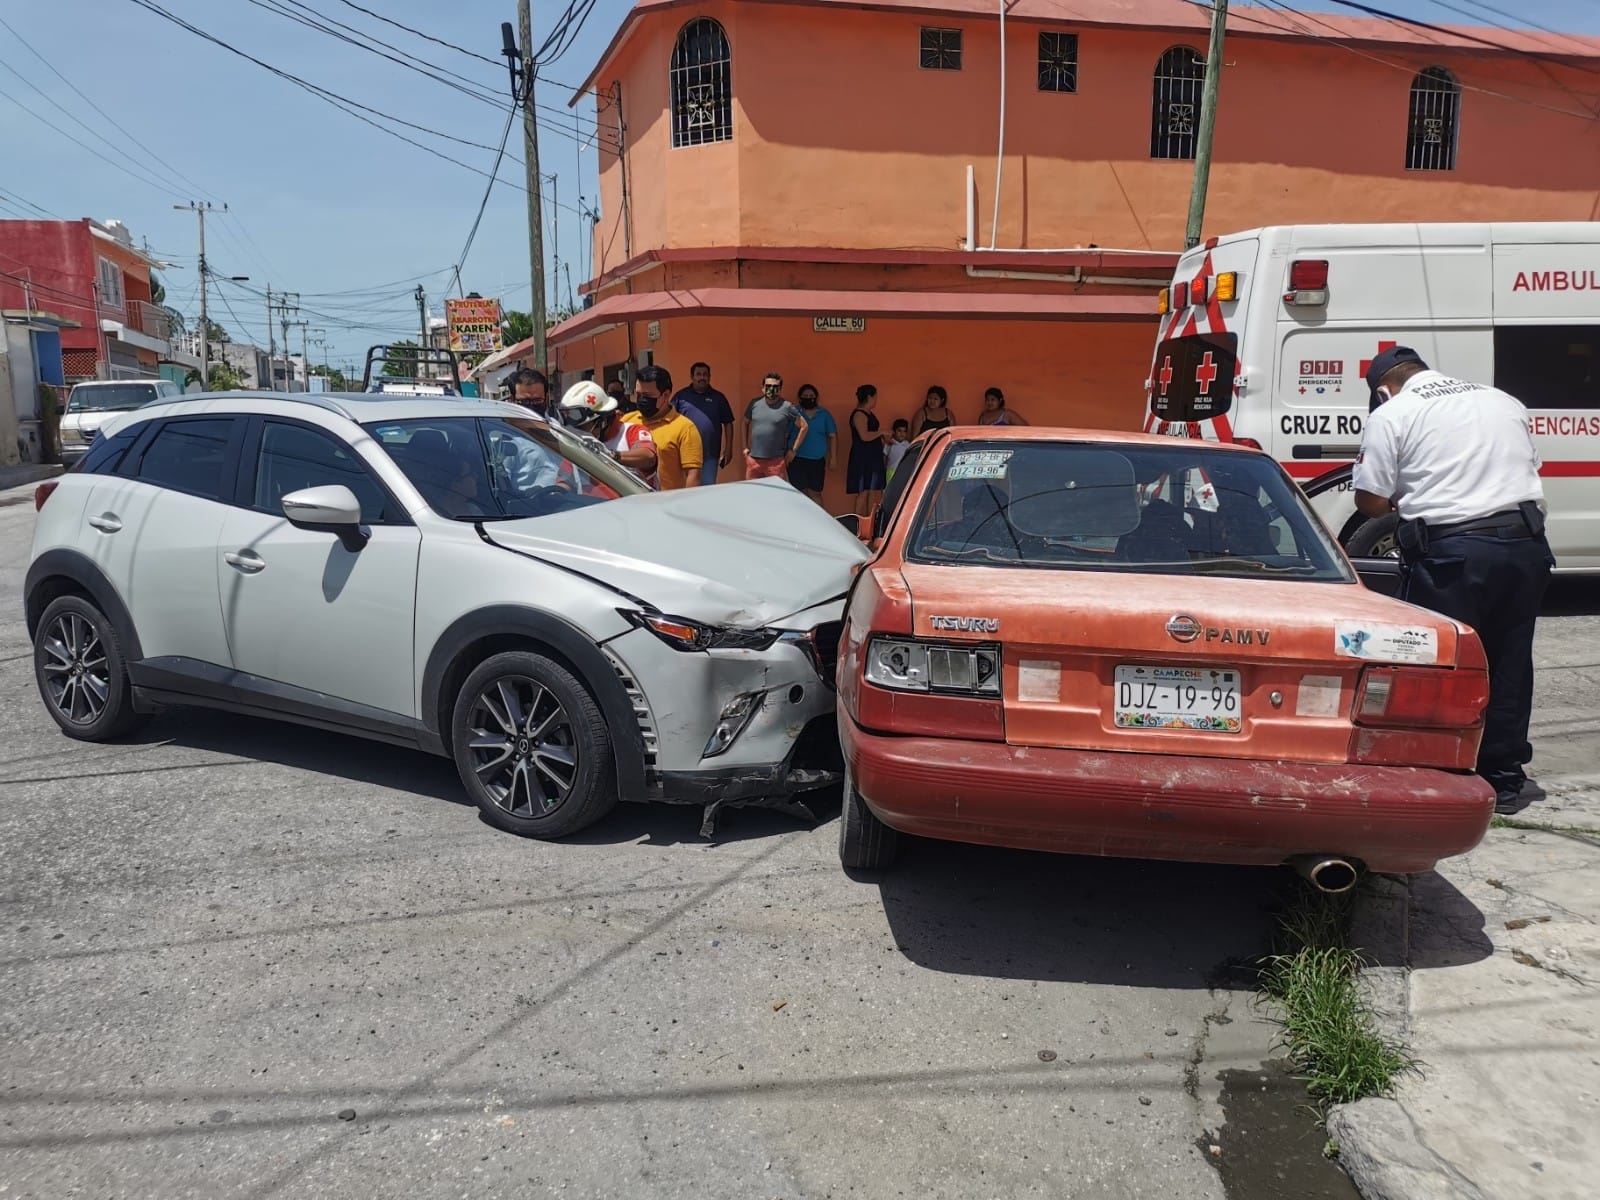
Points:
(1332, 874)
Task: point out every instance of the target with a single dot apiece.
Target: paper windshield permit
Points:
(1386, 643)
(979, 464)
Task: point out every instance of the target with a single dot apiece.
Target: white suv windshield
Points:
(495, 469)
(110, 397)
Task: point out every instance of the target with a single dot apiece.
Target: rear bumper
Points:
(1394, 819)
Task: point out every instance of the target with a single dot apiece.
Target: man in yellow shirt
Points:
(679, 455)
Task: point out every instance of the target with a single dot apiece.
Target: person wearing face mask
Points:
(1456, 460)
(531, 389)
(771, 427)
(814, 453)
(677, 442)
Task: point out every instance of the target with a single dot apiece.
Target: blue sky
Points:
(320, 203)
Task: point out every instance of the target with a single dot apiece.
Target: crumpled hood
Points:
(741, 554)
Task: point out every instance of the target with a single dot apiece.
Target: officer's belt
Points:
(1510, 519)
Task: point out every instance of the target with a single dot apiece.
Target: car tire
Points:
(1375, 538)
(865, 843)
(81, 672)
(532, 747)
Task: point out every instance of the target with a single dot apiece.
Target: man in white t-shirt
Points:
(1456, 460)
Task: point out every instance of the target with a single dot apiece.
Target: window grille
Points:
(1435, 115)
(702, 94)
(1175, 119)
(1058, 62)
(110, 284)
(941, 49)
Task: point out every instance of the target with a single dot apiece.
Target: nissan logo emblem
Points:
(1183, 628)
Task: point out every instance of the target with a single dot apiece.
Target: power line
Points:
(24, 203)
(112, 121)
(1463, 34)
(494, 177)
(85, 146)
(427, 36)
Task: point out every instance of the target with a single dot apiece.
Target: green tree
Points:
(518, 326)
(335, 377)
(158, 290)
(215, 332)
(400, 360)
(223, 378)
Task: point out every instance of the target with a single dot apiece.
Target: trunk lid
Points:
(1288, 646)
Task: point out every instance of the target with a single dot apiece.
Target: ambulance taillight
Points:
(1164, 301)
(1197, 291)
(1308, 282)
(1226, 286)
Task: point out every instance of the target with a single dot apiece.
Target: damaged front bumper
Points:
(782, 743)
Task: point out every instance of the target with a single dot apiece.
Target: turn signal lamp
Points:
(1227, 286)
(1164, 301)
(1408, 696)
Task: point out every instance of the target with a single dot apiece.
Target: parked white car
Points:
(454, 575)
(92, 403)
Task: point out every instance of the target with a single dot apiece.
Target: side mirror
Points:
(1381, 575)
(330, 509)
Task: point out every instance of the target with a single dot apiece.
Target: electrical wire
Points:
(25, 203)
(112, 121)
(493, 62)
(1462, 34)
(494, 177)
(111, 162)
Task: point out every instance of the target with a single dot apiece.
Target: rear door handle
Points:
(106, 522)
(246, 561)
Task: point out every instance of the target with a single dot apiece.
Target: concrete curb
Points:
(1380, 1150)
(1379, 1146)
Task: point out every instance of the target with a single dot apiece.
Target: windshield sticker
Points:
(1386, 643)
(980, 464)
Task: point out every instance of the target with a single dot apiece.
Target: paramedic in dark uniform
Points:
(1457, 461)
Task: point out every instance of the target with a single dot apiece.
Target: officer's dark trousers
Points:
(1494, 584)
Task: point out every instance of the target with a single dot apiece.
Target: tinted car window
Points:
(188, 456)
(106, 454)
(110, 397)
(1192, 377)
(293, 457)
(895, 490)
(1107, 507)
(489, 469)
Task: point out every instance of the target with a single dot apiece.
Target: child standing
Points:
(900, 444)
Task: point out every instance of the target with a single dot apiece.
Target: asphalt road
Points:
(245, 959)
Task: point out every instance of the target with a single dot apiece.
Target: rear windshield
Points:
(1182, 510)
(1192, 377)
(110, 397)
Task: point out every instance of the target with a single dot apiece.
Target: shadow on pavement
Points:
(1447, 929)
(1011, 914)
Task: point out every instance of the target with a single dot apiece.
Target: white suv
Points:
(450, 574)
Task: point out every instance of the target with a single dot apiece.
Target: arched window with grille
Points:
(1175, 114)
(1434, 120)
(702, 94)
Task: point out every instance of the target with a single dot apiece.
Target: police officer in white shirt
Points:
(1458, 463)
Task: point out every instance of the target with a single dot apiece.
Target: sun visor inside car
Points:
(1077, 492)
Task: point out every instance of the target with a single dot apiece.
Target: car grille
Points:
(641, 714)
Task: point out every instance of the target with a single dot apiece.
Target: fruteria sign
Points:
(474, 325)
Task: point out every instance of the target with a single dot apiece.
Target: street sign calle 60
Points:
(838, 324)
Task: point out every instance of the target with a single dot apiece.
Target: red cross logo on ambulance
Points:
(1165, 374)
(1206, 374)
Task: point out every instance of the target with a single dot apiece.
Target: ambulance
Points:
(1265, 337)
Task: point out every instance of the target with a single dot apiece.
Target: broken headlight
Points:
(683, 634)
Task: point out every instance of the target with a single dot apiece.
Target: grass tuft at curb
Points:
(1329, 1030)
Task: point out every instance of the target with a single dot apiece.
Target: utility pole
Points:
(522, 83)
(200, 208)
(272, 345)
(1208, 121)
(286, 302)
(422, 324)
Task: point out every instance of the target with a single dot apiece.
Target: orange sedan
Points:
(1144, 647)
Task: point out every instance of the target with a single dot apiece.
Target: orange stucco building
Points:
(785, 183)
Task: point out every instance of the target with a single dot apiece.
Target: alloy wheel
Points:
(523, 746)
(76, 674)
